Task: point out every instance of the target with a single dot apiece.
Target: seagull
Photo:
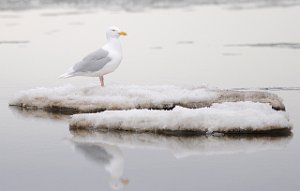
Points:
(102, 61)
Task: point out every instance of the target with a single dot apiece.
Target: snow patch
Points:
(225, 117)
(70, 100)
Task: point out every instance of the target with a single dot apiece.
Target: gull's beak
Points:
(124, 181)
(122, 33)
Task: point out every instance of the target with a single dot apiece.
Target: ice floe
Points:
(163, 109)
(70, 99)
(227, 117)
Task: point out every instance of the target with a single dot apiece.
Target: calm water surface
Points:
(226, 44)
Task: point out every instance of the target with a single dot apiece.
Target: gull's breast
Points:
(111, 66)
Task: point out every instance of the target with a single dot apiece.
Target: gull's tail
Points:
(69, 73)
(66, 75)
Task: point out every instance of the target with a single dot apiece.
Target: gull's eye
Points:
(113, 30)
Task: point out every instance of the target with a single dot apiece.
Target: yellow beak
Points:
(122, 33)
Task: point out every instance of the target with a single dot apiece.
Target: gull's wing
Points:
(93, 62)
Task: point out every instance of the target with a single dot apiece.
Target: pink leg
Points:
(101, 81)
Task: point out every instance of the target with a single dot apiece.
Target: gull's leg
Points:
(101, 81)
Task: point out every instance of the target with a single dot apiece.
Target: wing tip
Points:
(64, 76)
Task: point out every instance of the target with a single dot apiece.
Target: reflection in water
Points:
(109, 156)
(7, 16)
(185, 42)
(76, 23)
(29, 113)
(188, 145)
(269, 45)
(136, 5)
(65, 13)
(156, 47)
(51, 32)
(103, 147)
(14, 42)
(270, 88)
(231, 54)
(12, 24)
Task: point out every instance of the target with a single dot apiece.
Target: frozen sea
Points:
(225, 44)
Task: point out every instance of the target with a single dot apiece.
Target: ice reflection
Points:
(104, 147)
(184, 146)
(14, 42)
(268, 45)
(51, 32)
(185, 42)
(136, 5)
(37, 113)
(270, 88)
(106, 155)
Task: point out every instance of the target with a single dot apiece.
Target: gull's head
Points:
(114, 32)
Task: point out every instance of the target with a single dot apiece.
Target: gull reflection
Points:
(103, 147)
(109, 156)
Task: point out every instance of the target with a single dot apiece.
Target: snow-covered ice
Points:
(126, 107)
(70, 99)
(227, 117)
(183, 146)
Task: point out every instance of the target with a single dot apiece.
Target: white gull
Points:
(101, 62)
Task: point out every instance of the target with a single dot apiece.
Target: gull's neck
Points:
(113, 43)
